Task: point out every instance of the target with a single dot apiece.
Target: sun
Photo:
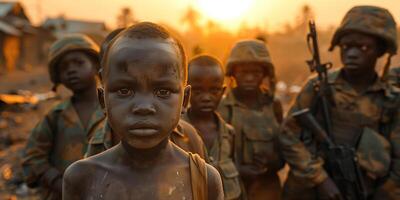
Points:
(224, 10)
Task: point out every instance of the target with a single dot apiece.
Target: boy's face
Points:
(359, 52)
(144, 91)
(76, 71)
(248, 76)
(206, 87)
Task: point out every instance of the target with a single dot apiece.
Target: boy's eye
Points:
(364, 48)
(163, 93)
(216, 90)
(344, 46)
(78, 62)
(125, 92)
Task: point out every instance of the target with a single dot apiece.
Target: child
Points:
(206, 78)
(144, 80)
(255, 115)
(184, 136)
(61, 137)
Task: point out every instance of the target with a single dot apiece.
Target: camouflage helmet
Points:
(370, 20)
(253, 51)
(71, 42)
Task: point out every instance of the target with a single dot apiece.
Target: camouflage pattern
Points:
(221, 156)
(56, 142)
(184, 136)
(72, 42)
(370, 20)
(394, 76)
(253, 51)
(256, 136)
(367, 121)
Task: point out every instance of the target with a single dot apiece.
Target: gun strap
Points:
(316, 105)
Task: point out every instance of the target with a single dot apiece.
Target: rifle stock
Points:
(340, 162)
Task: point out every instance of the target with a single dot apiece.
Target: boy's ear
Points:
(100, 96)
(186, 98)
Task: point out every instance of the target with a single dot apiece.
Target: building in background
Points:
(20, 44)
(61, 26)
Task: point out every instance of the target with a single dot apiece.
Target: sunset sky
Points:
(270, 14)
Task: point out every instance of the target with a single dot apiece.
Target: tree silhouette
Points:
(125, 18)
(191, 18)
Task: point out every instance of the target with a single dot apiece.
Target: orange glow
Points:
(224, 10)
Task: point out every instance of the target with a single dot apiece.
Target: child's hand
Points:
(251, 171)
(260, 160)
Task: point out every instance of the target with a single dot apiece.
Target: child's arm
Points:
(215, 191)
(36, 166)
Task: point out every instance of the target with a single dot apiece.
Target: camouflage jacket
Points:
(56, 142)
(185, 136)
(221, 156)
(394, 76)
(367, 121)
(253, 135)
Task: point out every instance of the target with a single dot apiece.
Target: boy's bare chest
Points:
(209, 133)
(168, 183)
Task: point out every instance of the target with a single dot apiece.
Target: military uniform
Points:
(56, 142)
(256, 135)
(60, 138)
(221, 155)
(184, 136)
(394, 76)
(256, 130)
(367, 121)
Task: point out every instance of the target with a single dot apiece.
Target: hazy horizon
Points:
(271, 15)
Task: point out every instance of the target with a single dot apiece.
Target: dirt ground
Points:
(16, 121)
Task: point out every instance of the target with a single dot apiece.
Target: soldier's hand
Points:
(260, 160)
(329, 190)
(251, 171)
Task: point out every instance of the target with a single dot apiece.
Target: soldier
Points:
(363, 112)
(144, 80)
(185, 136)
(206, 78)
(62, 136)
(255, 114)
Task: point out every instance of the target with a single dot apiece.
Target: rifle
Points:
(340, 161)
(322, 85)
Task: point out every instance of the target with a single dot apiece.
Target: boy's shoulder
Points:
(89, 166)
(214, 183)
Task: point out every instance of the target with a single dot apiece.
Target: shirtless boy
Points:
(144, 80)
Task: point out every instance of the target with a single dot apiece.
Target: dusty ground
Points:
(15, 125)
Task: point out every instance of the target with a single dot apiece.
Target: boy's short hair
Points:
(104, 45)
(203, 60)
(148, 30)
(106, 42)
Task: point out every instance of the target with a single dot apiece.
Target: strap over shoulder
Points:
(198, 175)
